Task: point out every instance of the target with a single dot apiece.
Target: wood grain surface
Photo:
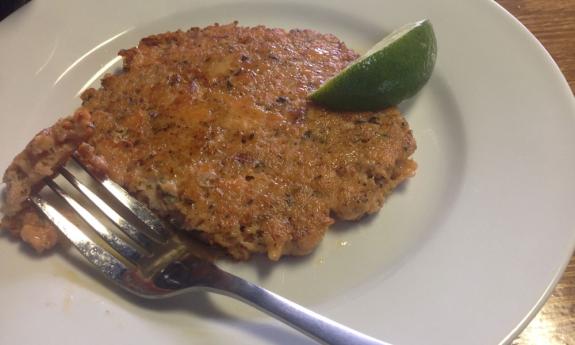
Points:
(553, 23)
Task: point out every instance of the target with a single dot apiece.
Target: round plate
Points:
(464, 253)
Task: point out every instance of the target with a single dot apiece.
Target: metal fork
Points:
(148, 259)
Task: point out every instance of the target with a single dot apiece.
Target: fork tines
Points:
(133, 241)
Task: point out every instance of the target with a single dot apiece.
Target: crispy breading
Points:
(47, 150)
(213, 128)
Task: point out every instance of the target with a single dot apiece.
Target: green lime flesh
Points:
(393, 70)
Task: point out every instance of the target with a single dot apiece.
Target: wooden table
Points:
(553, 23)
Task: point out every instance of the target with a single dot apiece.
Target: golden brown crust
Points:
(47, 150)
(212, 127)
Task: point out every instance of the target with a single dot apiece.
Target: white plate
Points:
(464, 253)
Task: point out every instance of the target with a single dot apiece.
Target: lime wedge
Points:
(393, 70)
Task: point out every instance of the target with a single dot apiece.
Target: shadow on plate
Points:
(197, 303)
(264, 266)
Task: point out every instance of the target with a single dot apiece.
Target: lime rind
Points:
(395, 69)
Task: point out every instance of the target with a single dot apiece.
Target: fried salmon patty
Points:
(212, 128)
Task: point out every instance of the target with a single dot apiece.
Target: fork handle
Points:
(193, 273)
(318, 327)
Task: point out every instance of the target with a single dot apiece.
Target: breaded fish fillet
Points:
(213, 128)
